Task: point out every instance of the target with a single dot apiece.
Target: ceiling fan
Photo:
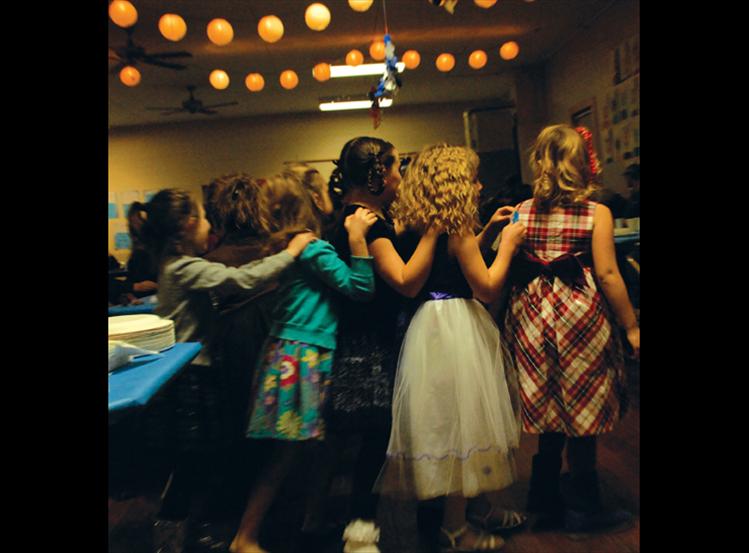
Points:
(131, 53)
(192, 105)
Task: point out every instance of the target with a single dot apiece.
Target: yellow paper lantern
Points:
(220, 32)
(219, 79)
(477, 59)
(172, 27)
(509, 50)
(317, 16)
(270, 28)
(123, 13)
(377, 50)
(354, 58)
(321, 72)
(412, 59)
(360, 5)
(445, 62)
(254, 82)
(130, 76)
(289, 79)
(485, 3)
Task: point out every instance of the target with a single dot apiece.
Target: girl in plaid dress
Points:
(560, 328)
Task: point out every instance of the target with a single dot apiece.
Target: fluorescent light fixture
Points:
(344, 104)
(337, 71)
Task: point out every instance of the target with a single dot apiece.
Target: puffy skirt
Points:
(454, 428)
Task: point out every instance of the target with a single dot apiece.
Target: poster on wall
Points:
(608, 145)
(113, 205)
(625, 60)
(636, 137)
(634, 97)
(121, 236)
(127, 198)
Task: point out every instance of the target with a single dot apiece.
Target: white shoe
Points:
(361, 536)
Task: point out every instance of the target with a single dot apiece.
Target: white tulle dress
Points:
(455, 426)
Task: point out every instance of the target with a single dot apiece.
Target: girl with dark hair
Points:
(174, 230)
(367, 174)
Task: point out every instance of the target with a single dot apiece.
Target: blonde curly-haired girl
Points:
(454, 429)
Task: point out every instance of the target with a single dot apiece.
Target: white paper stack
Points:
(149, 332)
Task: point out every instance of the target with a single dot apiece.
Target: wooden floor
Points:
(130, 520)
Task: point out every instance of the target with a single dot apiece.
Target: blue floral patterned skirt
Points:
(291, 386)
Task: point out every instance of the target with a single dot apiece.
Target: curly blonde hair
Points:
(440, 188)
(561, 167)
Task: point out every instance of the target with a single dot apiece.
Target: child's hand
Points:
(299, 242)
(513, 236)
(359, 222)
(633, 337)
(502, 215)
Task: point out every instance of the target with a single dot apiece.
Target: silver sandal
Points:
(484, 543)
(508, 521)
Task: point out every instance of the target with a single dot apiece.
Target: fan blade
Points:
(174, 111)
(207, 111)
(163, 63)
(170, 55)
(222, 105)
(153, 108)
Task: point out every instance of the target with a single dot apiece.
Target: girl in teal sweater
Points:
(293, 373)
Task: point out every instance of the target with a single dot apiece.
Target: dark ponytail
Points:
(364, 162)
(163, 221)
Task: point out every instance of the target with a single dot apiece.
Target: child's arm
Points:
(487, 283)
(195, 273)
(357, 281)
(609, 277)
(489, 233)
(405, 278)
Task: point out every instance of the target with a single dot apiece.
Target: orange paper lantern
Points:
(485, 3)
(412, 59)
(317, 16)
(321, 72)
(509, 50)
(220, 32)
(289, 79)
(123, 13)
(445, 62)
(354, 58)
(360, 5)
(270, 28)
(172, 27)
(254, 82)
(477, 59)
(130, 76)
(219, 79)
(377, 50)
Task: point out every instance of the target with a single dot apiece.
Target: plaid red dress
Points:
(559, 330)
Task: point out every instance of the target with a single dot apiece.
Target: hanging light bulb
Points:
(123, 13)
(485, 3)
(445, 62)
(172, 27)
(354, 58)
(289, 79)
(321, 72)
(411, 58)
(219, 79)
(360, 5)
(377, 50)
(317, 16)
(270, 28)
(254, 82)
(130, 76)
(477, 59)
(509, 50)
(220, 32)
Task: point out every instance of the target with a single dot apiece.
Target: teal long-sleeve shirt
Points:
(305, 308)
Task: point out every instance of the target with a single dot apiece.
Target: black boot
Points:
(585, 512)
(544, 498)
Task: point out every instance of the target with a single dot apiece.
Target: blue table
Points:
(139, 309)
(133, 385)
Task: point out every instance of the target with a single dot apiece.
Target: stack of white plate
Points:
(144, 331)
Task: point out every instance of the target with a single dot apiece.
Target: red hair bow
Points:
(595, 167)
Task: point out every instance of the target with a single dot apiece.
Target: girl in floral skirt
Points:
(294, 369)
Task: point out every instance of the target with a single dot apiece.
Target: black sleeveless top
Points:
(446, 278)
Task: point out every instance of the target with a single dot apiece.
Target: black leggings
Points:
(581, 452)
(368, 465)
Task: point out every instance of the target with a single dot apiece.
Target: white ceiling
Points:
(541, 28)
